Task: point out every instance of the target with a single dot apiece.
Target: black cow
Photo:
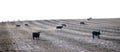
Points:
(82, 22)
(59, 27)
(26, 24)
(96, 33)
(89, 18)
(36, 35)
(17, 25)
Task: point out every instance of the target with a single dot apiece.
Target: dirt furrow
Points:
(5, 41)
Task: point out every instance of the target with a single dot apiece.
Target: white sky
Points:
(58, 9)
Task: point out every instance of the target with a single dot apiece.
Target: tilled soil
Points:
(75, 37)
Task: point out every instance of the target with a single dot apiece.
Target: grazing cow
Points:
(89, 18)
(59, 27)
(82, 22)
(96, 33)
(26, 24)
(17, 25)
(64, 25)
(36, 35)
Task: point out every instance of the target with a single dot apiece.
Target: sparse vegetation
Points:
(74, 38)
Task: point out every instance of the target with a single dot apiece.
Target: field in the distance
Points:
(75, 37)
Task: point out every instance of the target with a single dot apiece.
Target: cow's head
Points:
(38, 32)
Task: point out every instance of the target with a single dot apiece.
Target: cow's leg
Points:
(61, 28)
(98, 37)
(36, 38)
(93, 37)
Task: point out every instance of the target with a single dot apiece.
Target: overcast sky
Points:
(58, 9)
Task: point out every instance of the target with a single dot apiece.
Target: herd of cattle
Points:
(35, 35)
(20, 25)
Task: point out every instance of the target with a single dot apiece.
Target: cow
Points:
(17, 25)
(96, 33)
(59, 27)
(26, 25)
(35, 35)
(82, 22)
(89, 18)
